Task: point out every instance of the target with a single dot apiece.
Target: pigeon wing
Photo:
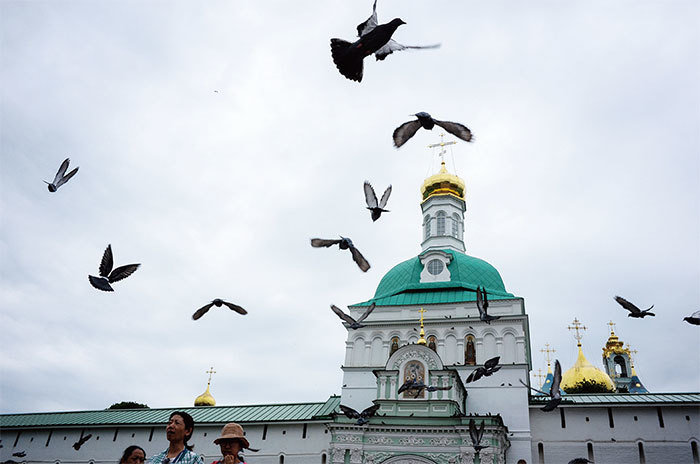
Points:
(491, 363)
(322, 242)
(236, 308)
(371, 23)
(456, 129)
(531, 388)
(480, 304)
(405, 131)
(202, 311)
(385, 197)
(556, 381)
(473, 434)
(100, 284)
(349, 412)
(696, 315)
(359, 259)
(627, 305)
(122, 272)
(61, 171)
(366, 313)
(65, 178)
(406, 385)
(370, 196)
(107, 262)
(393, 46)
(369, 412)
(342, 315)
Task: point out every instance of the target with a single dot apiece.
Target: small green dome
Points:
(401, 285)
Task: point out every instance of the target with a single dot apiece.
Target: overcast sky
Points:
(215, 138)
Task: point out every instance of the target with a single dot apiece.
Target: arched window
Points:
(426, 226)
(394, 345)
(441, 222)
(455, 225)
(323, 458)
(432, 343)
(620, 362)
(470, 351)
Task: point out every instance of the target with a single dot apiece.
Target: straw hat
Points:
(233, 431)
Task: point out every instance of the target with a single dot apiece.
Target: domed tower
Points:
(584, 377)
(618, 364)
(206, 399)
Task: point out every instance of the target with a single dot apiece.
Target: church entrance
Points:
(408, 459)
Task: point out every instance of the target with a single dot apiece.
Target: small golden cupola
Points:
(443, 183)
(584, 377)
(205, 399)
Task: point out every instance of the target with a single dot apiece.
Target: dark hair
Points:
(189, 424)
(128, 451)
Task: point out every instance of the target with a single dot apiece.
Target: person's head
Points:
(232, 441)
(133, 455)
(180, 428)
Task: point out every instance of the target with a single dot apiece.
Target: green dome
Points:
(401, 285)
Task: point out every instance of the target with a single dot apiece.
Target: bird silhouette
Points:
(634, 311)
(109, 276)
(476, 435)
(482, 303)
(377, 208)
(344, 244)
(80, 442)
(218, 303)
(408, 129)
(489, 368)
(61, 176)
(554, 392)
(693, 318)
(362, 417)
(373, 38)
(354, 324)
(20, 454)
(419, 386)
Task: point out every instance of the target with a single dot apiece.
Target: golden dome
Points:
(584, 370)
(443, 183)
(205, 399)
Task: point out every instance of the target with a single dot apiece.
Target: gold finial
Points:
(630, 350)
(421, 340)
(548, 351)
(577, 326)
(442, 145)
(210, 372)
(612, 327)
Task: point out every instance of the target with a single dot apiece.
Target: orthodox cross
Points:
(577, 326)
(539, 376)
(612, 327)
(629, 348)
(210, 372)
(547, 350)
(442, 145)
(421, 340)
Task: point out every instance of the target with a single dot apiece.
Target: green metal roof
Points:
(402, 286)
(622, 398)
(201, 415)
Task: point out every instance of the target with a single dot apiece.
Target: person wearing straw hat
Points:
(232, 441)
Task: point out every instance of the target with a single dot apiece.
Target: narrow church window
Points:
(563, 418)
(441, 223)
(426, 226)
(150, 437)
(590, 451)
(432, 343)
(694, 449)
(48, 440)
(642, 458)
(620, 362)
(540, 453)
(470, 352)
(264, 431)
(394, 345)
(610, 418)
(116, 431)
(282, 459)
(303, 432)
(661, 417)
(455, 225)
(323, 458)
(17, 439)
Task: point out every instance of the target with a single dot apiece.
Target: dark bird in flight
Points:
(218, 303)
(354, 324)
(344, 244)
(20, 454)
(373, 38)
(377, 208)
(693, 318)
(579, 461)
(482, 303)
(408, 129)
(80, 442)
(362, 417)
(476, 435)
(486, 370)
(634, 311)
(109, 276)
(61, 176)
(554, 393)
(412, 384)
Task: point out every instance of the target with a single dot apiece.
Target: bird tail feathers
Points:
(348, 63)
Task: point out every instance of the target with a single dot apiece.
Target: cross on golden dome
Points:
(421, 340)
(577, 326)
(442, 145)
(612, 327)
(539, 376)
(210, 372)
(548, 351)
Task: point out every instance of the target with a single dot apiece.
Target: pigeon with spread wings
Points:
(61, 176)
(344, 244)
(554, 393)
(218, 302)
(376, 207)
(354, 324)
(419, 386)
(109, 276)
(476, 435)
(362, 417)
(482, 303)
(489, 368)
(81, 442)
(408, 129)
(373, 38)
(693, 318)
(634, 310)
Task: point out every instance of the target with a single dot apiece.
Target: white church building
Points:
(623, 425)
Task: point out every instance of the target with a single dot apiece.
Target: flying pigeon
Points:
(483, 303)
(218, 303)
(61, 177)
(693, 319)
(476, 435)
(634, 311)
(554, 393)
(362, 417)
(371, 198)
(109, 276)
(20, 454)
(344, 244)
(408, 129)
(579, 461)
(354, 324)
(487, 370)
(412, 384)
(373, 38)
(80, 442)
